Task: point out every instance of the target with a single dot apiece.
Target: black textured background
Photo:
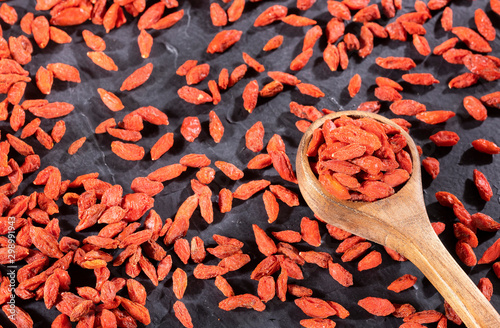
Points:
(188, 39)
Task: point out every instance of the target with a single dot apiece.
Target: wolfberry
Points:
(445, 46)
(377, 306)
(296, 20)
(435, 117)
(339, 9)
(310, 90)
(463, 80)
(465, 253)
(169, 20)
(190, 128)
(270, 15)
(271, 89)
(197, 74)
(312, 35)
(367, 14)
(486, 146)
(235, 10)
(472, 39)
(427, 316)
(388, 8)
(356, 4)
(447, 19)
(8, 14)
(420, 78)
(343, 58)
(365, 42)
(243, 300)
(369, 106)
(484, 25)
(145, 42)
(110, 100)
(217, 14)
(386, 93)
(185, 67)
(315, 307)
(237, 74)
(248, 189)
(354, 85)
(137, 78)
(421, 45)
(331, 56)
(402, 283)
(445, 138)
(273, 43)
(301, 60)
(193, 95)
(402, 63)
(215, 126)
(93, 41)
(482, 185)
(396, 31)
(223, 40)
(455, 56)
(491, 99)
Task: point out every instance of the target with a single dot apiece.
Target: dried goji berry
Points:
(315, 307)
(339, 9)
(310, 90)
(367, 14)
(197, 74)
(77, 144)
(243, 300)
(420, 78)
(435, 117)
(482, 185)
(273, 43)
(483, 24)
(370, 261)
(110, 100)
(354, 85)
(445, 138)
(463, 80)
(223, 40)
(64, 72)
(386, 93)
(301, 60)
(185, 67)
(270, 15)
(137, 78)
(296, 20)
(127, 151)
(190, 128)
(217, 15)
(365, 42)
(445, 46)
(377, 306)
(93, 41)
(402, 283)
(486, 146)
(312, 35)
(193, 95)
(169, 20)
(402, 63)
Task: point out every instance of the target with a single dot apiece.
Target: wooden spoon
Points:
(399, 222)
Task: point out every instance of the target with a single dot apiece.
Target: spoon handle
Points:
(425, 250)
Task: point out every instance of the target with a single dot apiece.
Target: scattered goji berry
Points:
(273, 43)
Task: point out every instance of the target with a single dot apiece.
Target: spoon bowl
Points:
(399, 222)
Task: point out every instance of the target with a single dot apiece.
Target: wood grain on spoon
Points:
(399, 222)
